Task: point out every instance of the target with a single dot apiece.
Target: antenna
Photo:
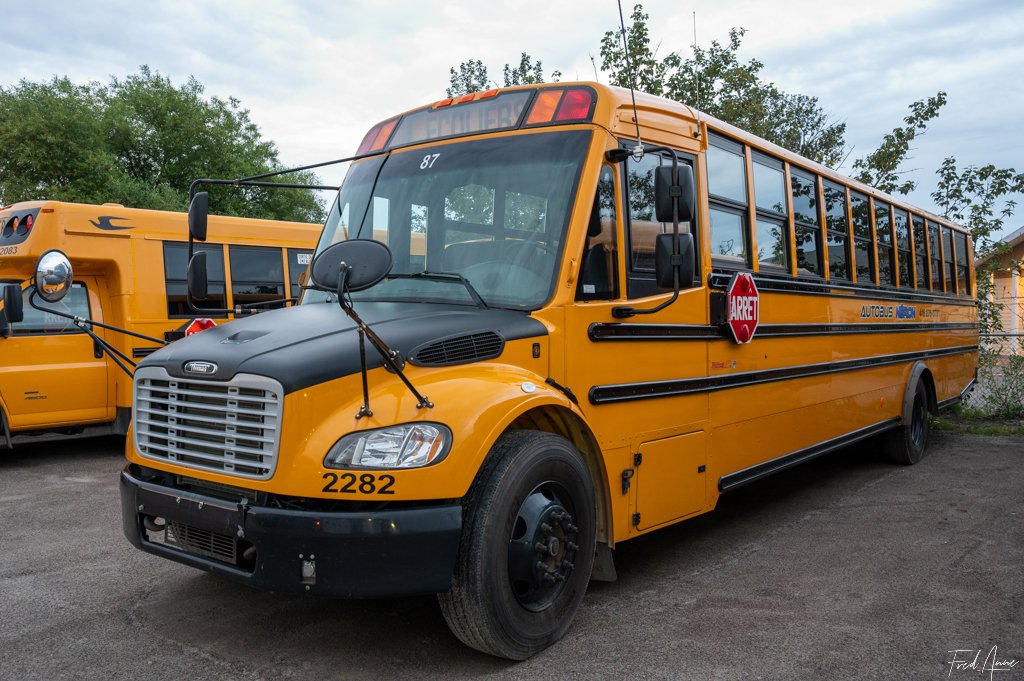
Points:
(696, 133)
(638, 150)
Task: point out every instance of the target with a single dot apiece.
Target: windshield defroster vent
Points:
(459, 350)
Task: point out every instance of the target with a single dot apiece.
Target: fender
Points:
(917, 371)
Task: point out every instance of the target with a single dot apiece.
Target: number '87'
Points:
(428, 161)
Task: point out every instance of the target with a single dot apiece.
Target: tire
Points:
(527, 548)
(906, 445)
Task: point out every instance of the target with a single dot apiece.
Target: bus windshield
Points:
(493, 211)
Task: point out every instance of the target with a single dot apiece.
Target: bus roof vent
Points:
(458, 349)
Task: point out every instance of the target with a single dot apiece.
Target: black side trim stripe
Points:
(763, 470)
(692, 332)
(720, 280)
(143, 352)
(623, 392)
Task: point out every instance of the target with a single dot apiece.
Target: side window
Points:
(298, 262)
(836, 229)
(963, 284)
(920, 253)
(901, 224)
(642, 228)
(727, 196)
(598, 280)
(175, 267)
(886, 255)
(256, 274)
(863, 246)
(38, 322)
(805, 216)
(947, 256)
(936, 248)
(770, 201)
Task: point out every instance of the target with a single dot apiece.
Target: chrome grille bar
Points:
(230, 427)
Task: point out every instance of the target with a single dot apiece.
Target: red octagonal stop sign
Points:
(197, 325)
(742, 307)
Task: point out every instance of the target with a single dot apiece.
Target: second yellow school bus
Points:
(128, 267)
(555, 372)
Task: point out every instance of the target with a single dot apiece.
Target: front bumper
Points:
(361, 554)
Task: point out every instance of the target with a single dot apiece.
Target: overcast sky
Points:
(316, 75)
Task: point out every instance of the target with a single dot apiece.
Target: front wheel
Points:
(527, 547)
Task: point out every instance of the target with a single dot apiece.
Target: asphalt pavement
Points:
(845, 568)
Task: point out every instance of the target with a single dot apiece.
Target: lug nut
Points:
(541, 547)
(572, 546)
(549, 578)
(540, 566)
(566, 565)
(544, 527)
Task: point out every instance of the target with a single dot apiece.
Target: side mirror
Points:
(53, 276)
(14, 309)
(666, 192)
(198, 211)
(351, 265)
(665, 263)
(196, 277)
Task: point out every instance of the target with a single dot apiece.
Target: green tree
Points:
(139, 141)
(717, 82)
(472, 76)
(881, 168)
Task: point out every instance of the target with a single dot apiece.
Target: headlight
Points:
(411, 445)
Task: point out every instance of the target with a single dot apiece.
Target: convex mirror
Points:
(366, 262)
(53, 276)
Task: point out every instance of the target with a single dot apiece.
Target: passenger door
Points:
(610, 362)
(51, 373)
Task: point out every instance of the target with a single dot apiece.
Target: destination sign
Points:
(483, 115)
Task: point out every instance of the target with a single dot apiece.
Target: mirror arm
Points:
(90, 322)
(386, 353)
(113, 352)
(109, 349)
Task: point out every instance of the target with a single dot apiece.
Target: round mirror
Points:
(368, 262)
(53, 276)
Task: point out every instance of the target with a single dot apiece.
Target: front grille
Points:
(199, 542)
(231, 427)
(459, 349)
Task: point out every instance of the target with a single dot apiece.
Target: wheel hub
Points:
(542, 549)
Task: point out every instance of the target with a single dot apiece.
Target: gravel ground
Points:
(845, 568)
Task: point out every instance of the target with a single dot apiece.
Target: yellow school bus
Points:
(127, 269)
(618, 315)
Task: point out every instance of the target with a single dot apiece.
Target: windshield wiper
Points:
(444, 276)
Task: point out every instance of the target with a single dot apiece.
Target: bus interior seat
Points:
(595, 281)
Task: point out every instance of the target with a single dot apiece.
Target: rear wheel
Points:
(527, 547)
(907, 444)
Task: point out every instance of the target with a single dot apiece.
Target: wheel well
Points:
(563, 422)
(929, 386)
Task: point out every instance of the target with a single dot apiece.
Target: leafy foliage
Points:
(472, 75)
(981, 199)
(139, 141)
(715, 81)
(880, 168)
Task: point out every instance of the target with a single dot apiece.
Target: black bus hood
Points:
(307, 345)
